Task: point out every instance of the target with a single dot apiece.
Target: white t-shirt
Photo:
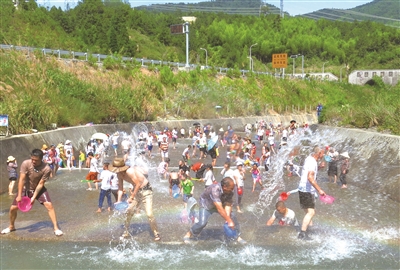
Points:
(68, 147)
(114, 140)
(149, 140)
(310, 164)
(284, 133)
(239, 178)
(126, 144)
(203, 141)
(271, 140)
(174, 133)
(186, 151)
(288, 219)
(100, 149)
(209, 178)
(105, 177)
(94, 165)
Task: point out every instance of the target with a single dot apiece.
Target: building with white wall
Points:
(361, 77)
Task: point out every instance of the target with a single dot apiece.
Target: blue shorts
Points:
(186, 197)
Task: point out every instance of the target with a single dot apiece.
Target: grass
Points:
(38, 91)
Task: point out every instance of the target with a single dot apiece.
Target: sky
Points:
(293, 7)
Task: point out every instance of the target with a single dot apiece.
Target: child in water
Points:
(284, 215)
(82, 158)
(256, 175)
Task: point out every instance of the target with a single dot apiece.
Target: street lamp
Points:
(294, 56)
(251, 64)
(206, 55)
(302, 66)
(323, 67)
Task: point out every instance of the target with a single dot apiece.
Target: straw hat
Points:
(118, 165)
(44, 147)
(10, 159)
(345, 154)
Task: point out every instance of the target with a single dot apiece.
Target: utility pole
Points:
(187, 43)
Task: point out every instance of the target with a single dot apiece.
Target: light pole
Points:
(302, 66)
(323, 67)
(251, 64)
(294, 56)
(206, 55)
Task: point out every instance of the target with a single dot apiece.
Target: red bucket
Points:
(283, 196)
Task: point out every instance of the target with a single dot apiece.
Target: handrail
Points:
(100, 57)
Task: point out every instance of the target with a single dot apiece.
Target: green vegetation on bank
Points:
(111, 26)
(38, 91)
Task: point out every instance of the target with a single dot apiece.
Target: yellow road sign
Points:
(279, 60)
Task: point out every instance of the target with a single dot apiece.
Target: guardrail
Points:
(101, 57)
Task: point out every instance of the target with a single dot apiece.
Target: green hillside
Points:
(383, 8)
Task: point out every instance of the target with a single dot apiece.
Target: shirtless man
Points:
(141, 194)
(173, 180)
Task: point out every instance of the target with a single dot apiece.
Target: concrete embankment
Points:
(20, 146)
(375, 156)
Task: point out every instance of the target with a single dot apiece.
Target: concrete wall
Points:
(20, 146)
(377, 152)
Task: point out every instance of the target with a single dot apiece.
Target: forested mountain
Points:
(109, 27)
(382, 11)
(383, 8)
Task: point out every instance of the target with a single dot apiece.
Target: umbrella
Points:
(99, 136)
(211, 142)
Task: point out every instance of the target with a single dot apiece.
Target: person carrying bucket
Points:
(33, 175)
(307, 187)
(141, 194)
(217, 198)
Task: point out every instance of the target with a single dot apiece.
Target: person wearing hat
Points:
(33, 175)
(12, 173)
(217, 198)
(344, 168)
(307, 187)
(142, 193)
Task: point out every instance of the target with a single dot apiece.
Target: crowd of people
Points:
(217, 197)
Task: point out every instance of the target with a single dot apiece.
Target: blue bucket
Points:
(121, 206)
(229, 232)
